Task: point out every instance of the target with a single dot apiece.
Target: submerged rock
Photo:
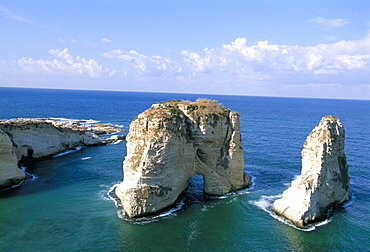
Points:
(324, 180)
(172, 141)
(39, 137)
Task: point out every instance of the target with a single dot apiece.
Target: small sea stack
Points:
(172, 141)
(324, 180)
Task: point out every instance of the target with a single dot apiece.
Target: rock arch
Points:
(174, 140)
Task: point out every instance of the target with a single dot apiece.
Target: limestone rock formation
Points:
(10, 174)
(40, 137)
(324, 181)
(172, 141)
(36, 138)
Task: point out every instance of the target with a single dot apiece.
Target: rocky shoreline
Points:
(33, 138)
(174, 140)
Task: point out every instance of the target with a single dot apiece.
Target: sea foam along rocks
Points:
(172, 141)
(324, 180)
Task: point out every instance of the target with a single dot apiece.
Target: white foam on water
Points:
(111, 196)
(171, 211)
(85, 158)
(84, 121)
(68, 151)
(150, 219)
(238, 192)
(121, 126)
(265, 203)
(115, 142)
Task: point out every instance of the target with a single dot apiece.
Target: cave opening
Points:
(29, 153)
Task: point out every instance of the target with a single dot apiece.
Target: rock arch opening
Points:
(195, 190)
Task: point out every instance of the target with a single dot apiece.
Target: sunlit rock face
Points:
(324, 180)
(10, 174)
(174, 140)
(35, 138)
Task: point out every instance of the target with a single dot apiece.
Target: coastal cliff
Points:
(172, 141)
(39, 137)
(10, 174)
(324, 180)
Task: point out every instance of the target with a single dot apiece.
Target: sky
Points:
(285, 48)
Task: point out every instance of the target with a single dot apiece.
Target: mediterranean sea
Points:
(66, 205)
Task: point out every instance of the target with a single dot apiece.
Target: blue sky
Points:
(266, 48)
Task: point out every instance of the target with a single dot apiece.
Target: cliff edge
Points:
(10, 174)
(33, 138)
(172, 141)
(324, 180)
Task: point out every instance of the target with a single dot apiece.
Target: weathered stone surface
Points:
(36, 138)
(40, 137)
(10, 174)
(172, 141)
(324, 181)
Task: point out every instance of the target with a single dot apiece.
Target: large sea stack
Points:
(174, 140)
(324, 180)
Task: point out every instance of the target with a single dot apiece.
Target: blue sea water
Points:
(67, 207)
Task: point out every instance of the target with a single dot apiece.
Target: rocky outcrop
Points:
(324, 181)
(10, 174)
(172, 141)
(39, 137)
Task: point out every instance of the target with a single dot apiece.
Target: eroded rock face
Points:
(39, 137)
(10, 174)
(35, 138)
(324, 181)
(172, 141)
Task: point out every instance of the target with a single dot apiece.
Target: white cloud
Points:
(265, 60)
(106, 40)
(235, 67)
(65, 64)
(156, 66)
(330, 23)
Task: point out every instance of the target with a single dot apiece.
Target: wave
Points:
(150, 219)
(68, 151)
(237, 192)
(180, 204)
(85, 158)
(265, 203)
(111, 196)
(115, 142)
(121, 126)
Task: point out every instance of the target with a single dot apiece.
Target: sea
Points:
(67, 203)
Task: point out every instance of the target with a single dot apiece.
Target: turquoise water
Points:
(66, 207)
